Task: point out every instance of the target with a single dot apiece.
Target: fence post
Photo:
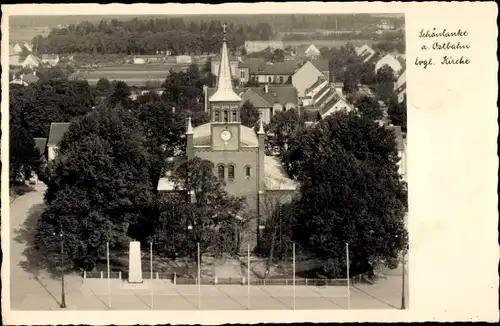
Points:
(102, 274)
(264, 282)
(120, 275)
(84, 274)
(306, 281)
(175, 278)
(157, 276)
(215, 279)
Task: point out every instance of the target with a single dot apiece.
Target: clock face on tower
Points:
(225, 135)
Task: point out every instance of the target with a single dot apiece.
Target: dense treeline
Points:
(148, 37)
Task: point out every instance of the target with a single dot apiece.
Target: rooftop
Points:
(40, 144)
(282, 94)
(57, 130)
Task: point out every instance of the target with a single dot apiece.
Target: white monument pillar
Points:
(134, 263)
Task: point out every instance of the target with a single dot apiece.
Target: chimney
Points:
(266, 88)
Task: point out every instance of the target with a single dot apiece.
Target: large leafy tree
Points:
(47, 101)
(24, 158)
(397, 112)
(384, 87)
(200, 212)
(351, 192)
(281, 128)
(249, 114)
(369, 108)
(98, 186)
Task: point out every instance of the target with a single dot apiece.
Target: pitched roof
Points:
(275, 176)
(40, 144)
(319, 81)
(57, 130)
(29, 78)
(321, 64)
(278, 68)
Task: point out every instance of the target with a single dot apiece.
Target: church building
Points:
(236, 151)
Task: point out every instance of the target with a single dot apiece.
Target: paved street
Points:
(32, 289)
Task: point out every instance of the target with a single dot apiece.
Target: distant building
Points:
(277, 73)
(31, 61)
(307, 51)
(239, 69)
(25, 79)
(138, 61)
(257, 46)
(308, 73)
(268, 99)
(57, 130)
(391, 61)
(322, 97)
(186, 59)
(400, 87)
(365, 52)
(401, 145)
(50, 59)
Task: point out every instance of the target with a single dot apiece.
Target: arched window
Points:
(216, 116)
(234, 116)
(226, 116)
(221, 172)
(230, 172)
(248, 172)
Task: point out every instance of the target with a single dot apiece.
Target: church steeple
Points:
(224, 91)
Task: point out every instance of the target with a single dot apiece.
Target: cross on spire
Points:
(224, 26)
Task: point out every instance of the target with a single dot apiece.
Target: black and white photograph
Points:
(201, 162)
(208, 162)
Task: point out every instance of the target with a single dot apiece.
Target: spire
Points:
(261, 128)
(224, 91)
(189, 128)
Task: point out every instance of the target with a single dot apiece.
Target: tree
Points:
(276, 240)
(350, 192)
(384, 83)
(24, 158)
(120, 94)
(397, 112)
(249, 114)
(350, 83)
(369, 108)
(47, 101)
(281, 128)
(200, 212)
(103, 87)
(98, 186)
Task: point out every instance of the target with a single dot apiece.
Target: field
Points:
(327, 43)
(133, 75)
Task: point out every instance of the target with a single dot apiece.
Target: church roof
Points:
(276, 177)
(224, 90)
(202, 136)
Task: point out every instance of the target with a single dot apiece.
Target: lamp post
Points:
(403, 299)
(63, 295)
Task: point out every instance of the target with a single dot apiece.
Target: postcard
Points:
(247, 163)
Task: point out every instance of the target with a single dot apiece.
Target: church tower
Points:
(225, 106)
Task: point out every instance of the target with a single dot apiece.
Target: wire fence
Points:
(182, 280)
